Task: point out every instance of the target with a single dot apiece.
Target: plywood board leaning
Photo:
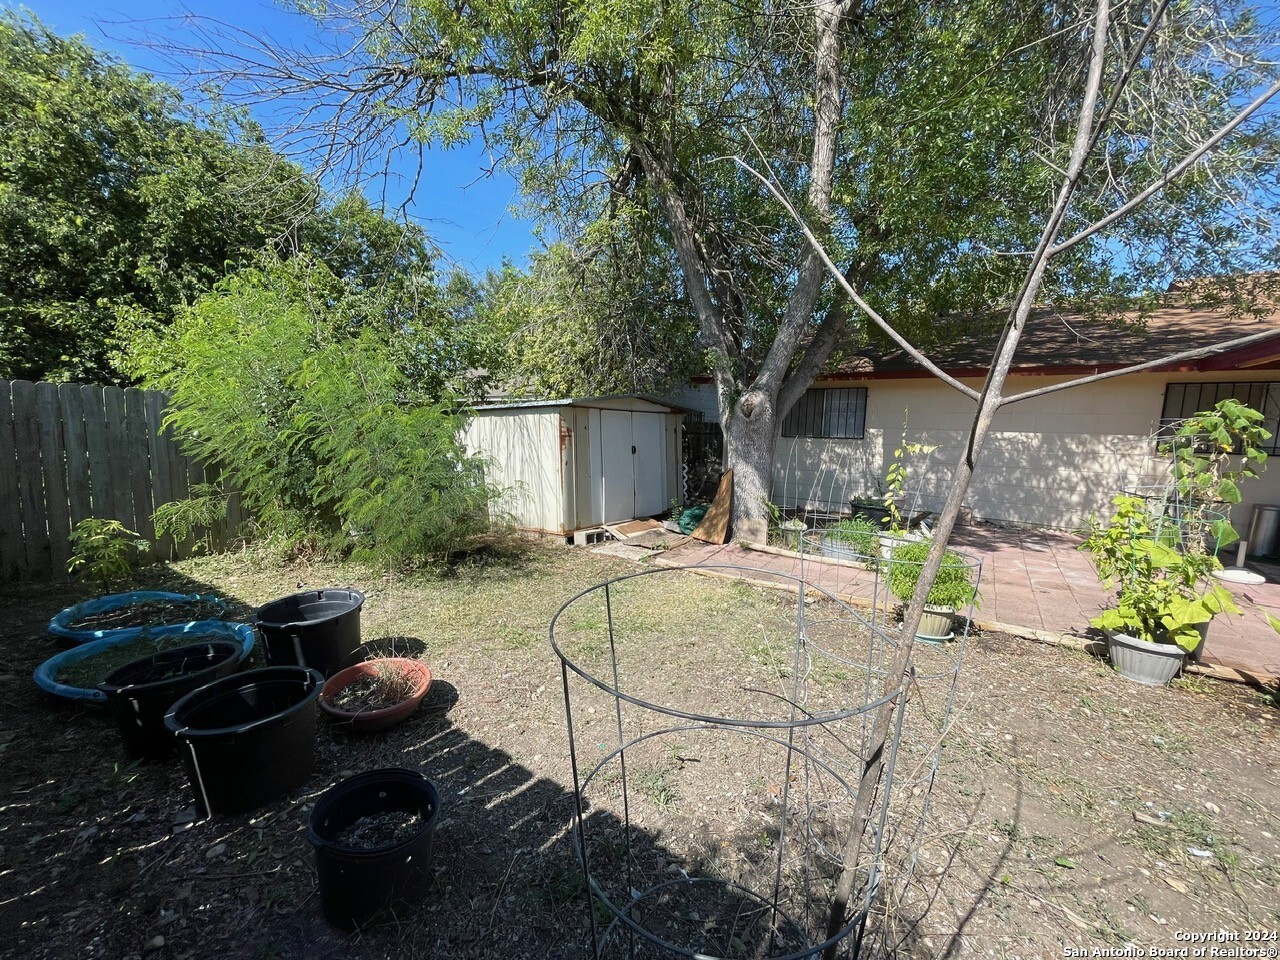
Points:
(714, 527)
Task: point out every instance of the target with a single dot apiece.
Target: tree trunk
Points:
(750, 435)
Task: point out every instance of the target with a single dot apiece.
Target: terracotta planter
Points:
(370, 721)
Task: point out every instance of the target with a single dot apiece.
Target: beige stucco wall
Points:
(1051, 461)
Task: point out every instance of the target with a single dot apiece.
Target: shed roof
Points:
(601, 402)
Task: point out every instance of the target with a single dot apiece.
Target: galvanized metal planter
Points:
(1153, 664)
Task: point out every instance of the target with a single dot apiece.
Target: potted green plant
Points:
(854, 539)
(1204, 484)
(884, 507)
(793, 530)
(1165, 596)
(952, 590)
(788, 531)
(871, 507)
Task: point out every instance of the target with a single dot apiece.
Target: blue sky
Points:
(467, 217)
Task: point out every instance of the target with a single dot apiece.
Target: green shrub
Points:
(859, 534)
(304, 408)
(104, 550)
(953, 588)
(401, 481)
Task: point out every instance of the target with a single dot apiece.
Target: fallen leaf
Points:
(1075, 918)
(1177, 884)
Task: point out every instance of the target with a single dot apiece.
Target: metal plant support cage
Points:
(717, 828)
(1178, 519)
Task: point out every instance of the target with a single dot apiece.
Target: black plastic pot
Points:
(319, 629)
(141, 693)
(359, 886)
(248, 739)
(876, 513)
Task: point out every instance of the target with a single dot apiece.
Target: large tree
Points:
(918, 141)
(593, 318)
(116, 198)
(121, 204)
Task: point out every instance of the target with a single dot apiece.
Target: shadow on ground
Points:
(102, 858)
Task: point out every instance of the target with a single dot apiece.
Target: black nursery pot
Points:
(249, 738)
(141, 693)
(358, 886)
(319, 629)
(873, 512)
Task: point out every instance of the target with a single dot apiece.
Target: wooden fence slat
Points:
(70, 451)
(178, 467)
(74, 435)
(139, 462)
(35, 531)
(13, 560)
(118, 458)
(195, 476)
(158, 443)
(236, 516)
(53, 469)
(95, 423)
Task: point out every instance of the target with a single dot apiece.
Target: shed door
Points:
(633, 465)
(650, 463)
(617, 475)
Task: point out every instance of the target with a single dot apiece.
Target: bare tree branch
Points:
(1190, 161)
(852, 293)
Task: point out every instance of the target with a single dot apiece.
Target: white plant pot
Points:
(793, 537)
(891, 541)
(935, 624)
(841, 550)
(1153, 664)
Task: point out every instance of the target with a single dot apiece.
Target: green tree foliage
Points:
(406, 490)
(602, 320)
(115, 198)
(311, 417)
(922, 142)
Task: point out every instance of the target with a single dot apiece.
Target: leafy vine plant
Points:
(895, 478)
(1202, 449)
(1164, 594)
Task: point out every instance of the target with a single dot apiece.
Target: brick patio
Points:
(1034, 583)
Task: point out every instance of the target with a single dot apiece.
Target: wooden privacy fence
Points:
(70, 451)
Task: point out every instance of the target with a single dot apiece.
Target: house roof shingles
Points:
(1060, 342)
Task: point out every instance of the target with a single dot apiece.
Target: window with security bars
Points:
(838, 413)
(1182, 400)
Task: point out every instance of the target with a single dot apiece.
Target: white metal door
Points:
(617, 473)
(650, 468)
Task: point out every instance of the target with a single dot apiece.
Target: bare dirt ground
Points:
(1071, 806)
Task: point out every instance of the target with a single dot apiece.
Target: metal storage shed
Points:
(575, 464)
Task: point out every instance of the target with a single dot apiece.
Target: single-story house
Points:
(576, 463)
(1051, 461)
